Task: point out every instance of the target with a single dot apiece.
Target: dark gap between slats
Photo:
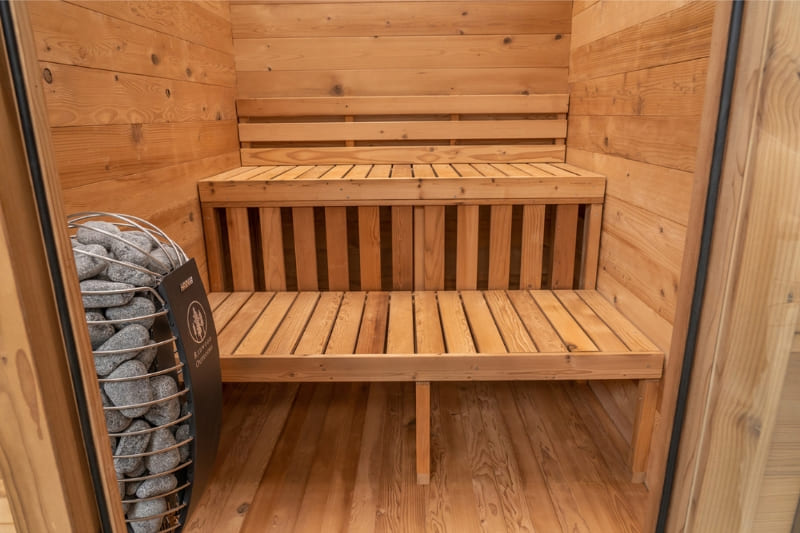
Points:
(450, 243)
(256, 247)
(227, 267)
(547, 249)
(321, 245)
(576, 278)
(353, 259)
(484, 214)
(289, 263)
(516, 247)
(385, 216)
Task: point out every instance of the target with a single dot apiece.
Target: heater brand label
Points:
(192, 322)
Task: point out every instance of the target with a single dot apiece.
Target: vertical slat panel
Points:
(530, 271)
(305, 249)
(419, 248)
(240, 249)
(336, 242)
(402, 248)
(272, 249)
(467, 248)
(434, 247)
(500, 247)
(591, 245)
(369, 247)
(213, 238)
(564, 246)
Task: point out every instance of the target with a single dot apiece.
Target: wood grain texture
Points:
(640, 87)
(756, 317)
(49, 482)
(499, 454)
(288, 19)
(137, 97)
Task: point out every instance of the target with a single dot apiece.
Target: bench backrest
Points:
(537, 226)
(403, 129)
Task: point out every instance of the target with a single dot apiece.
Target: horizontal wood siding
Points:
(141, 102)
(481, 59)
(637, 84)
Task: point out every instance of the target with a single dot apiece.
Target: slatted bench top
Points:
(417, 183)
(428, 335)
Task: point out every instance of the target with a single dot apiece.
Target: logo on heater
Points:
(198, 322)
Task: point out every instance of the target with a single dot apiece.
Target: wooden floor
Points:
(536, 456)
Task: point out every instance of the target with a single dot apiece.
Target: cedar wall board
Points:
(637, 86)
(391, 48)
(141, 104)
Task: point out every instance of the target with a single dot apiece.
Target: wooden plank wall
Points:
(394, 48)
(141, 105)
(637, 84)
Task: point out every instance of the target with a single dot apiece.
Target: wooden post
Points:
(643, 428)
(423, 393)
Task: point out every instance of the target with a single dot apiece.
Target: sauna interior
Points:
(533, 145)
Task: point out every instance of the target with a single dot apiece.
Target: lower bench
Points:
(425, 336)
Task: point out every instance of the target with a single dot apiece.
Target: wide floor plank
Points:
(338, 457)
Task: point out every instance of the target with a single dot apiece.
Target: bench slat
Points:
(305, 248)
(567, 327)
(314, 339)
(241, 253)
(400, 337)
(433, 254)
(360, 327)
(427, 323)
(345, 330)
(499, 246)
(467, 247)
(457, 335)
(532, 247)
(564, 246)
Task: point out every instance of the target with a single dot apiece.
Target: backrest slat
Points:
(500, 246)
(336, 243)
(532, 247)
(240, 249)
(467, 247)
(305, 248)
(272, 248)
(434, 247)
(402, 247)
(369, 246)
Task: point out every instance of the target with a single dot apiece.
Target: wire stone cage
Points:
(121, 261)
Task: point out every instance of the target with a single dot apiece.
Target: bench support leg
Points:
(643, 427)
(423, 432)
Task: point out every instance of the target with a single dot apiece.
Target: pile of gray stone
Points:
(146, 415)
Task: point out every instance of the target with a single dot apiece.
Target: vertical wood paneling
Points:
(272, 249)
(402, 247)
(530, 270)
(305, 248)
(467, 248)
(499, 246)
(336, 241)
(241, 251)
(564, 246)
(434, 247)
(369, 247)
